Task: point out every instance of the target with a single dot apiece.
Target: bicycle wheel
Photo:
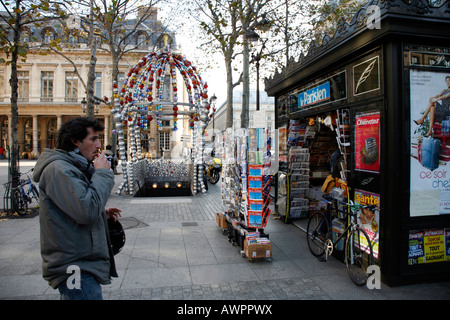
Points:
(358, 255)
(35, 193)
(317, 233)
(20, 205)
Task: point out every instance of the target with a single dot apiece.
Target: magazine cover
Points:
(430, 143)
(367, 142)
(369, 220)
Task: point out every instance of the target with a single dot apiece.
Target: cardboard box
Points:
(221, 220)
(257, 250)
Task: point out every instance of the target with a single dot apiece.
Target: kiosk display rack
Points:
(299, 182)
(246, 190)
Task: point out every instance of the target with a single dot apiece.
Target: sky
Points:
(213, 73)
(215, 76)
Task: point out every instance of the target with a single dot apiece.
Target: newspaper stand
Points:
(378, 81)
(245, 190)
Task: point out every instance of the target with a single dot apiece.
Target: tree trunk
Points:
(93, 62)
(14, 175)
(245, 85)
(229, 118)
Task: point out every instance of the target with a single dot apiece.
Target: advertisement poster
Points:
(434, 245)
(429, 246)
(369, 220)
(430, 143)
(367, 142)
(416, 247)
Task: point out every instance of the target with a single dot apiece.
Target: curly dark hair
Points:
(76, 130)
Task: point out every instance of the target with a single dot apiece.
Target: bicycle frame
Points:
(358, 254)
(351, 224)
(26, 193)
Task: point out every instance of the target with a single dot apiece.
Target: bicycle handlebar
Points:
(352, 205)
(26, 173)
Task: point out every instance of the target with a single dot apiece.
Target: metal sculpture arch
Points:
(141, 100)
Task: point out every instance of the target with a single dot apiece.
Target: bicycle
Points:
(22, 197)
(358, 252)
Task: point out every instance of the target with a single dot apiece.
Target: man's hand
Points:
(113, 213)
(101, 162)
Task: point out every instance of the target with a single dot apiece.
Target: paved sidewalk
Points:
(174, 250)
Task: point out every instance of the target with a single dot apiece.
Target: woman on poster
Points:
(438, 111)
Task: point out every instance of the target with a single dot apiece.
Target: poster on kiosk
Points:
(430, 143)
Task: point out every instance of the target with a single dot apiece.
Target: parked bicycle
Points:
(23, 195)
(358, 252)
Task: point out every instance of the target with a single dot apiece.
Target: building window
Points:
(119, 39)
(46, 86)
(48, 35)
(23, 88)
(98, 85)
(71, 87)
(141, 39)
(164, 140)
(25, 37)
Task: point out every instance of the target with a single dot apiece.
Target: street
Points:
(174, 250)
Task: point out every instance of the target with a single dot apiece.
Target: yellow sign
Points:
(434, 245)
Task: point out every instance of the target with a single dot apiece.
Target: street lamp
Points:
(257, 58)
(251, 35)
(83, 105)
(263, 25)
(97, 106)
(212, 103)
(212, 100)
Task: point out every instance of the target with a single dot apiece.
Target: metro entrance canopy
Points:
(141, 100)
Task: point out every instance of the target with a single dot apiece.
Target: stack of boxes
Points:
(256, 247)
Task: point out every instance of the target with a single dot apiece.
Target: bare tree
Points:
(120, 35)
(226, 24)
(15, 19)
(219, 20)
(119, 28)
(251, 13)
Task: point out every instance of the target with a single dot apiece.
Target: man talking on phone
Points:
(75, 183)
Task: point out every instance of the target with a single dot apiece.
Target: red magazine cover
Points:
(367, 142)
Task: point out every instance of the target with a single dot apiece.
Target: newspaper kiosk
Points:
(383, 92)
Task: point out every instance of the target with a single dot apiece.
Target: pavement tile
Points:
(175, 251)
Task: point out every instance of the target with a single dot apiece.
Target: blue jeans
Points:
(90, 289)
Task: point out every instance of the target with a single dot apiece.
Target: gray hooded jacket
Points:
(72, 215)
